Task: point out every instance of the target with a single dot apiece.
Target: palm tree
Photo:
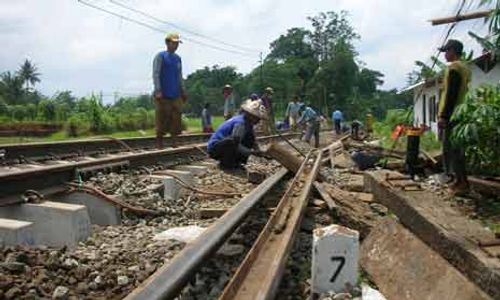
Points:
(28, 73)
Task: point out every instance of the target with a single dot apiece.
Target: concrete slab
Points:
(342, 161)
(355, 183)
(443, 228)
(403, 267)
(171, 188)
(193, 169)
(335, 259)
(101, 212)
(55, 224)
(15, 232)
(185, 176)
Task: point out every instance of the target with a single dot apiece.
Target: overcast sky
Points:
(84, 50)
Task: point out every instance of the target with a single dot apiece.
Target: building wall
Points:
(423, 95)
(426, 101)
(479, 77)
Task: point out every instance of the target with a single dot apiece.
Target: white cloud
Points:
(84, 50)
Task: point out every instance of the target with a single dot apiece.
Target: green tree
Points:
(293, 44)
(46, 111)
(11, 88)
(328, 29)
(28, 73)
(369, 81)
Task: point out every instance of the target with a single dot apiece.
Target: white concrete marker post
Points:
(335, 259)
(171, 190)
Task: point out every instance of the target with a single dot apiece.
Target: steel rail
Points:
(36, 151)
(15, 181)
(169, 280)
(259, 275)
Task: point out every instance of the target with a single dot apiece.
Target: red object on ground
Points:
(398, 131)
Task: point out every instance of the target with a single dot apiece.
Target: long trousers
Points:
(453, 155)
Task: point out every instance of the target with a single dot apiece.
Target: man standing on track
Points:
(267, 98)
(292, 112)
(337, 121)
(456, 80)
(227, 91)
(169, 93)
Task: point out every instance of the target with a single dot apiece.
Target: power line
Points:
(160, 30)
(246, 49)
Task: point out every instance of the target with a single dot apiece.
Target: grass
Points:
(193, 126)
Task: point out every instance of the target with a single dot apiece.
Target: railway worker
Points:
(206, 119)
(229, 106)
(337, 121)
(169, 92)
(312, 119)
(355, 126)
(292, 112)
(369, 124)
(254, 96)
(267, 98)
(455, 85)
(234, 141)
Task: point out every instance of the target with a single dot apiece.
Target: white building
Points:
(426, 95)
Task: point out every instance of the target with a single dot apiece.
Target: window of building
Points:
(424, 109)
(432, 109)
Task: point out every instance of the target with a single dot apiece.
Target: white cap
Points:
(255, 108)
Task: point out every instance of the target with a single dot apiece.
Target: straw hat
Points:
(255, 108)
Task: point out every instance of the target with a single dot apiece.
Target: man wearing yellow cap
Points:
(169, 91)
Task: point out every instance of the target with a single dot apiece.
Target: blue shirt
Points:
(167, 74)
(226, 130)
(337, 115)
(309, 115)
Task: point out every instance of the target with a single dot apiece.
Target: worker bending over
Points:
(234, 141)
(311, 118)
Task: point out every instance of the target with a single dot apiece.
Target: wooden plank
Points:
(405, 268)
(484, 186)
(351, 211)
(321, 190)
(462, 17)
(443, 228)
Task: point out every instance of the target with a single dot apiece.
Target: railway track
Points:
(185, 264)
(16, 179)
(39, 152)
(247, 249)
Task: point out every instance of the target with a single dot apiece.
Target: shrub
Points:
(77, 125)
(478, 130)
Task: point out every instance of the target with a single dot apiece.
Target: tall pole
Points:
(261, 72)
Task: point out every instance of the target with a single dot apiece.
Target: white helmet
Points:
(255, 108)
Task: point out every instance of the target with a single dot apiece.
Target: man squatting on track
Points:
(234, 141)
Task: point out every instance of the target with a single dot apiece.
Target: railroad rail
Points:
(260, 272)
(258, 277)
(15, 180)
(18, 153)
(169, 280)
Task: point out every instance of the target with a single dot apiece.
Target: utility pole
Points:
(261, 72)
